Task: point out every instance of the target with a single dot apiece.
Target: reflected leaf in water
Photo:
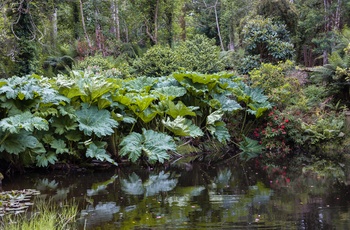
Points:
(102, 212)
(133, 185)
(100, 187)
(154, 185)
(61, 194)
(260, 193)
(184, 195)
(159, 183)
(223, 178)
(326, 169)
(45, 184)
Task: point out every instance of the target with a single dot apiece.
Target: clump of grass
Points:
(45, 215)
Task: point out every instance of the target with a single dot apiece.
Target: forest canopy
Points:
(38, 36)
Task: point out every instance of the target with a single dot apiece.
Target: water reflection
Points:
(225, 197)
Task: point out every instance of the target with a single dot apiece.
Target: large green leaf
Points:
(18, 142)
(201, 78)
(156, 146)
(258, 109)
(132, 146)
(182, 127)
(216, 127)
(140, 84)
(214, 117)
(219, 131)
(169, 92)
(200, 84)
(63, 124)
(180, 109)
(86, 87)
(166, 81)
(140, 104)
(250, 149)
(135, 101)
(96, 150)
(196, 88)
(24, 121)
(60, 146)
(67, 110)
(226, 103)
(153, 144)
(256, 94)
(44, 159)
(94, 121)
(22, 88)
(30, 87)
(74, 135)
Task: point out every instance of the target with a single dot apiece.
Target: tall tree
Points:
(318, 20)
(115, 26)
(233, 11)
(169, 17)
(215, 5)
(83, 24)
(24, 28)
(282, 10)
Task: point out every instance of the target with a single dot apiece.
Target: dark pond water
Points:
(196, 197)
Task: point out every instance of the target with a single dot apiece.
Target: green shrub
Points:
(157, 61)
(199, 54)
(97, 62)
(315, 95)
(267, 39)
(326, 127)
(273, 80)
(248, 62)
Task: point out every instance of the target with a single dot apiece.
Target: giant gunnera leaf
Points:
(152, 144)
(183, 127)
(94, 121)
(18, 142)
(169, 92)
(96, 150)
(250, 149)
(24, 121)
(216, 127)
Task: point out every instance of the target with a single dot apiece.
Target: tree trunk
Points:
(115, 29)
(328, 26)
(231, 44)
(97, 31)
(83, 24)
(153, 34)
(169, 18)
(216, 21)
(183, 22)
(218, 25)
(337, 15)
(54, 27)
(76, 23)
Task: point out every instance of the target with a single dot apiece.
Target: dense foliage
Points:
(77, 117)
(36, 34)
(143, 80)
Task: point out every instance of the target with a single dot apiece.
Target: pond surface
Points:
(196, 197)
